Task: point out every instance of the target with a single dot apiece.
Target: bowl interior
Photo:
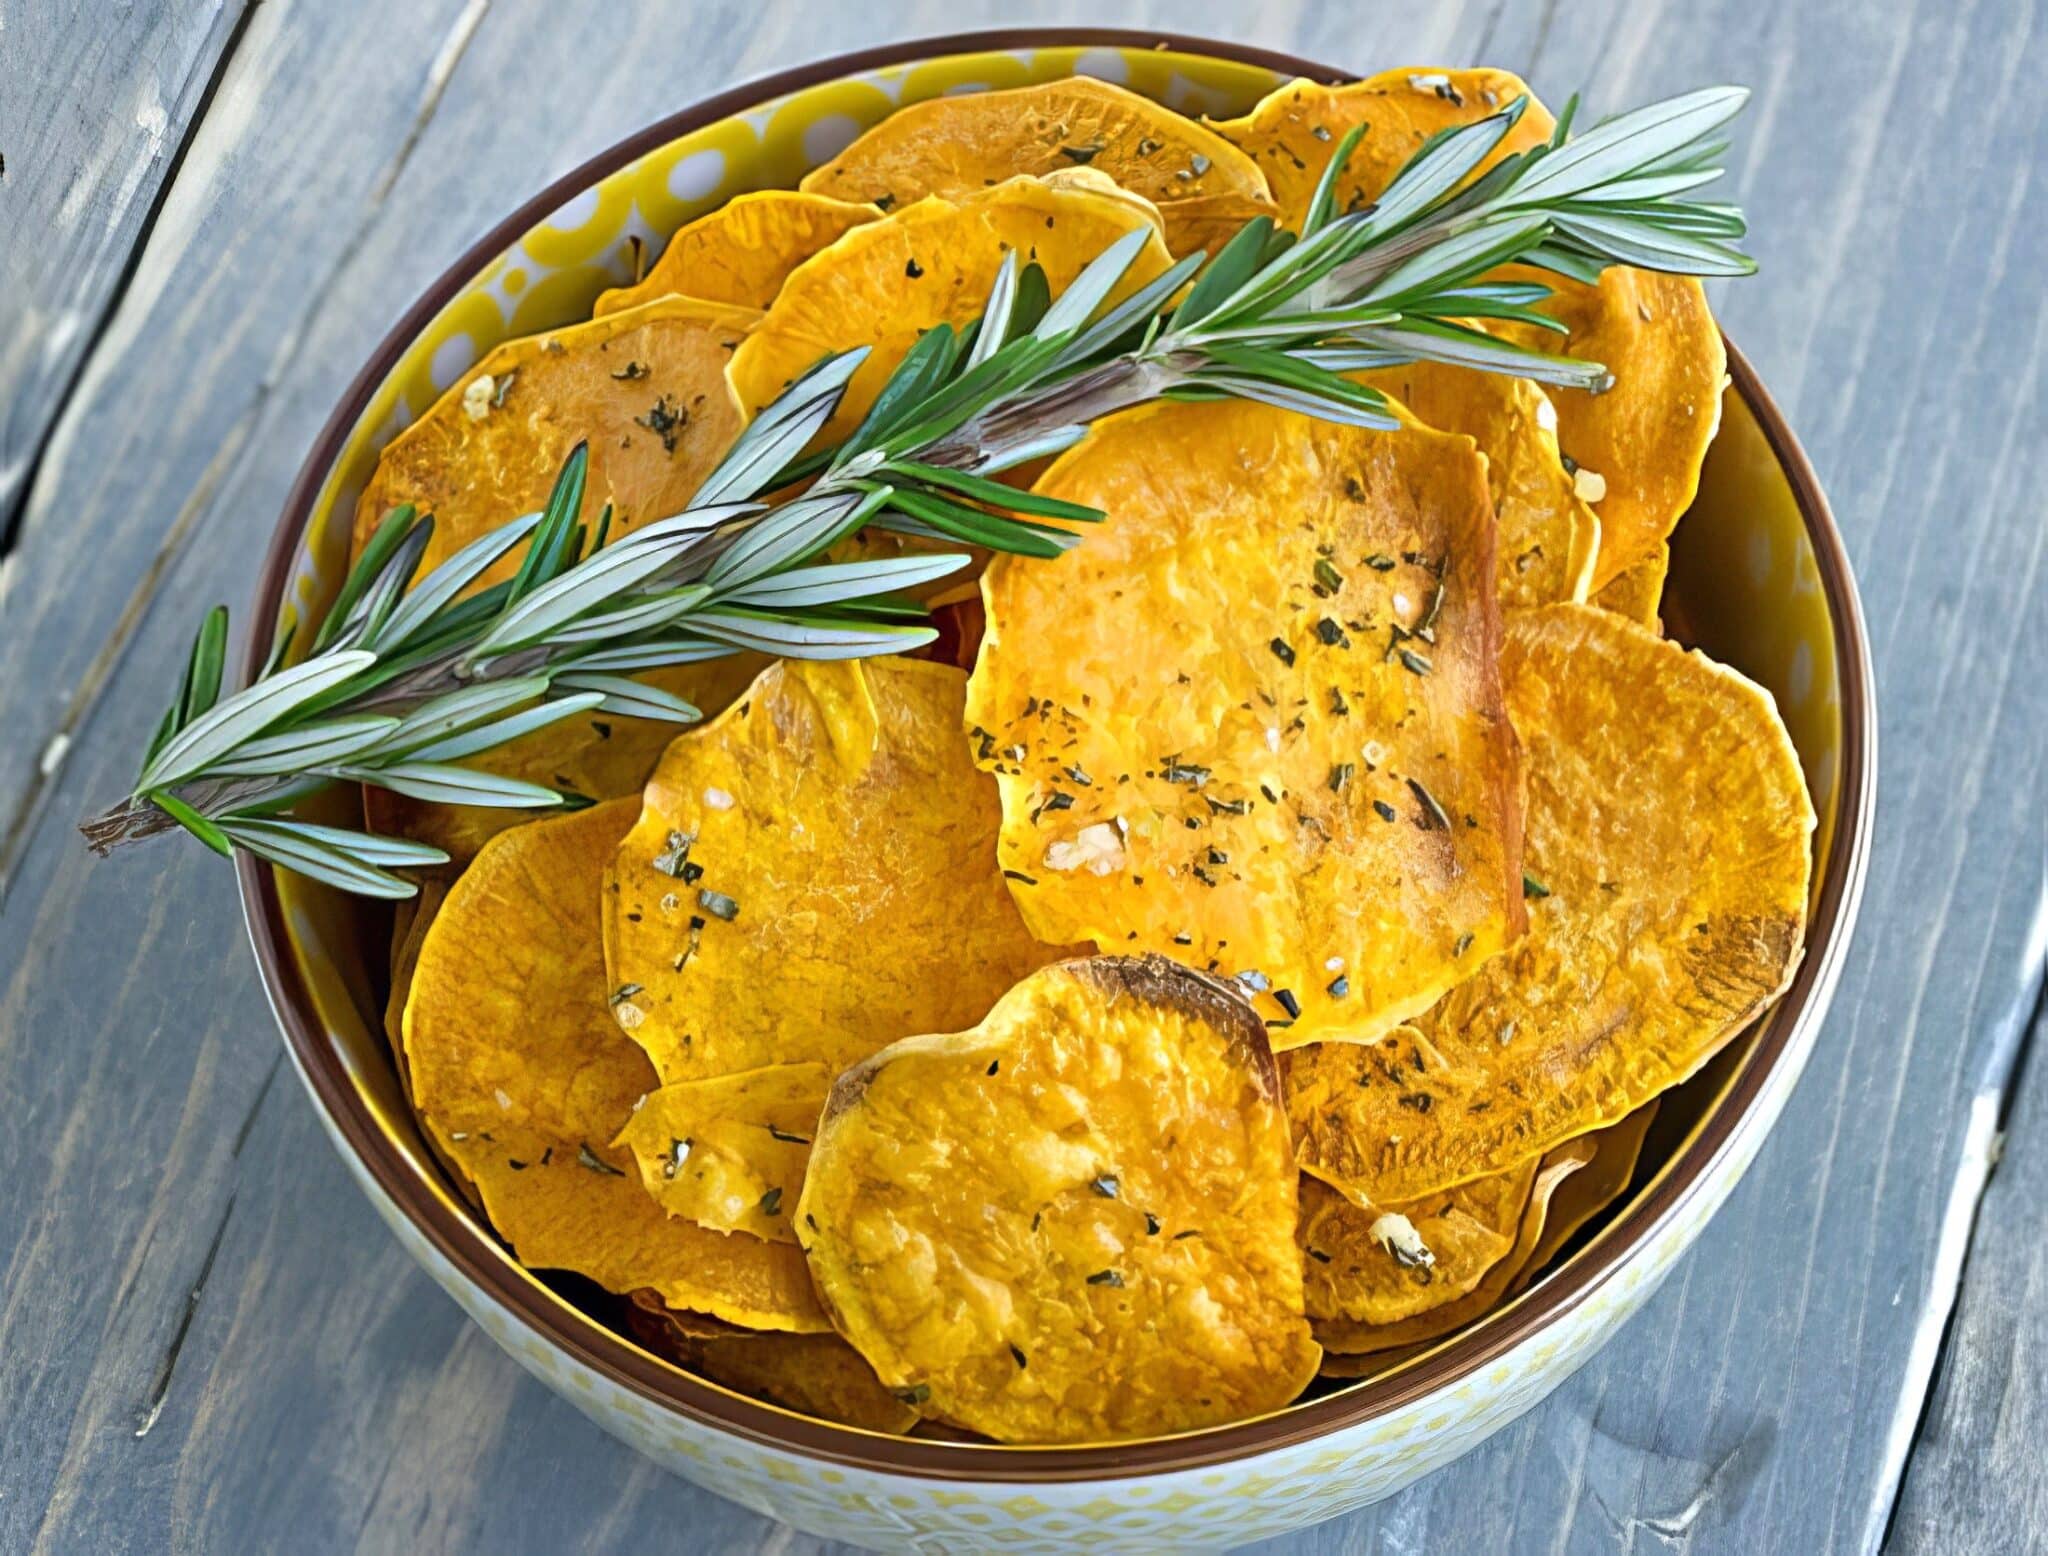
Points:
(1746, 583)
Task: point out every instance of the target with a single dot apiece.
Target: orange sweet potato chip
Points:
(1639, 592)
(646, 388)
(813, 875)
(729, 1152)
(1344, 1338)
(1253, 720)
(1073, 1222)
(1590, 1190)
(1204, 186)
(1379, 1264)
(523, 1080)
(887, 282)
(1546, 538)
(743, 251)
(1293, 131)
(1668, 859)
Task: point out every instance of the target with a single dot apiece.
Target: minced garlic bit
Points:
(628, 1015)
(718, 799)
(1546, 413)
(1096, 848)
(1428, 83)
(503, 1100)
(1590, 485)
(477, 398)
(1397, 1234)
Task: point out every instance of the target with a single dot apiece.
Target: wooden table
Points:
(209, 211)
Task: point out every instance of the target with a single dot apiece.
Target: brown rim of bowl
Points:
(474, 1252)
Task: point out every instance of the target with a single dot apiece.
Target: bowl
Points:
(1758, 579)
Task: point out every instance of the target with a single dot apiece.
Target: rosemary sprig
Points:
(409, 676)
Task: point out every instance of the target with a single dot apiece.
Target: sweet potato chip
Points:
(645, 388)
(1590, 1190)
(813, 875)
(523, 1080)
(1293, 131)
(1546, 538)
(1639, 593)
(1638, 444)
(1073, 1222)
(1378, 1264)
(884, 284)
(1343, 1337)
(1204, 186)
(743, 251)
(729, 1152)
(1253, 720)
(818, 1374)
(1669, 851)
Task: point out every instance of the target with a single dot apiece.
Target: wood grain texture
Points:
(208, 1342)
(1975, 1481)
(94, 106)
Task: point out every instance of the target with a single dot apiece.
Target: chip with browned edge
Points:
(523, 1079)
(1378, 1264)
(743, 251)
(1590, 1190)
(1669, 853)
(813, 875)
(1204, 186)
(1253, 720)
(1073, 1222)
(884, 284)
(818, 1374)
(1345, 1338)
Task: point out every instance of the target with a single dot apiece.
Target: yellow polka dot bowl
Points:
(1758, 578)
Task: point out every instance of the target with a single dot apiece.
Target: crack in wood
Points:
(160, 1389)
(14, 504)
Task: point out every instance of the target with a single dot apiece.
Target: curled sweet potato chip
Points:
(1253, 720)
(813, 875)
(1293, 130)
(1590, 1190)
(1378, 1264)
(523, 1080)
(1546, 537)
(884, 284)
(743, 251)
(818, 1374)
(1204, 186)
(1668, 857)
(1073, 1222)
(1345, 1337)
(1639, 592)
(1637, 445)
(729, 1152)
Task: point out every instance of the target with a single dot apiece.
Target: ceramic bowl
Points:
(1758, 579)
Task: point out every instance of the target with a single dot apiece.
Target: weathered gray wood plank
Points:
(319, 1391)
(1975, 1482)
(94, 104)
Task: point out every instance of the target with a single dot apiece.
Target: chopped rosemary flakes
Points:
(1281, 651)
(1327, 576)
(916, 1394)
(1106, 1185)
(1387, 812)
(1339, 987)
(718, 905)
(771, 1202)
(1255, 980)
(1415, 663)
(1082, 154)
(665, 421)
(1340, 775)
(1105, 1278)
(626, 991)
(913, 270)
(1019, 875)
(1532, 888)
(670, 861)
(1380, 562)
(588, 1158)
(1151, 1224)
(1464, 944)
(1018, 1354)
(631, 371)
(1226, 807)
(993, 1066)
(678, 1153)
(787, 1138)
(1288, 1003)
